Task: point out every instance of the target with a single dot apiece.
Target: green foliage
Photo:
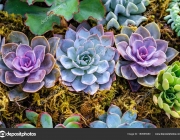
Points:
(41, 19)
(90, 8)
(45, 121)
(168, 81)
(173, 18)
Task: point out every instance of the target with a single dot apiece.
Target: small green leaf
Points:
(23, 125)
(166, 108)
(73, 125)
(177, 87)
(90, 8)
(165, 84)
(169, 77)
(175, 114)
(46, 120)
(160, 101)
(41, 23)
(65, 8)
(32, 116)
(74, 118)
(19, 7)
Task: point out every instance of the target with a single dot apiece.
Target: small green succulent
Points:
(44, 120)
(173, 18)
(168, 81)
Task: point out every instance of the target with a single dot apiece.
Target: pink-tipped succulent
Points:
(44, 120)
(144, 53)
(30, 66)
(87, 59)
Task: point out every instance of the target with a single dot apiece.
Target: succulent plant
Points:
(30, 66)
(168, 82)
(173, 18)
(124, 12)
(44, 120)
(144, 54)
(41, 19)
(87, 59)
(114, 119)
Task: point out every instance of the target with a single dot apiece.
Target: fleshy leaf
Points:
(73, 118)
(18, 37)
(17, 94)
(128, 117)
(73, 125)
(46, 120)
(90, 8)
(115, 109)
(98, 124)
(113, 120)
(32, 116)
(23, 125)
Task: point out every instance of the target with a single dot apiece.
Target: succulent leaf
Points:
(114, 119)
(168, 82)
(46, 120)
(32, 116)
(145, 55)
(124, 12)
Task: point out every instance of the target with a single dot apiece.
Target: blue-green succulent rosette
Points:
(114, 118)
(124, 12)
(87, 59)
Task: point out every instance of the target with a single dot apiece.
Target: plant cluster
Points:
(87, 58)
(173, 18)
(124, 12)
(44, 120)
(41, 19)
(115, 119)
(168, 82)
(144, 54)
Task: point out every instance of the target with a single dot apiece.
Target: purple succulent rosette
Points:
(30, 66)
(87, 59)
(144, 53)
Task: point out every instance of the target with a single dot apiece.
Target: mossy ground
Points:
(61, 103)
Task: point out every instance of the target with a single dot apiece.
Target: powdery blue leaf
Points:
(154, 30)
(92, 89)
(115, 109)
(113, 120)
(88, 79)
(128, 117)
(77, 85)
(98, 124)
